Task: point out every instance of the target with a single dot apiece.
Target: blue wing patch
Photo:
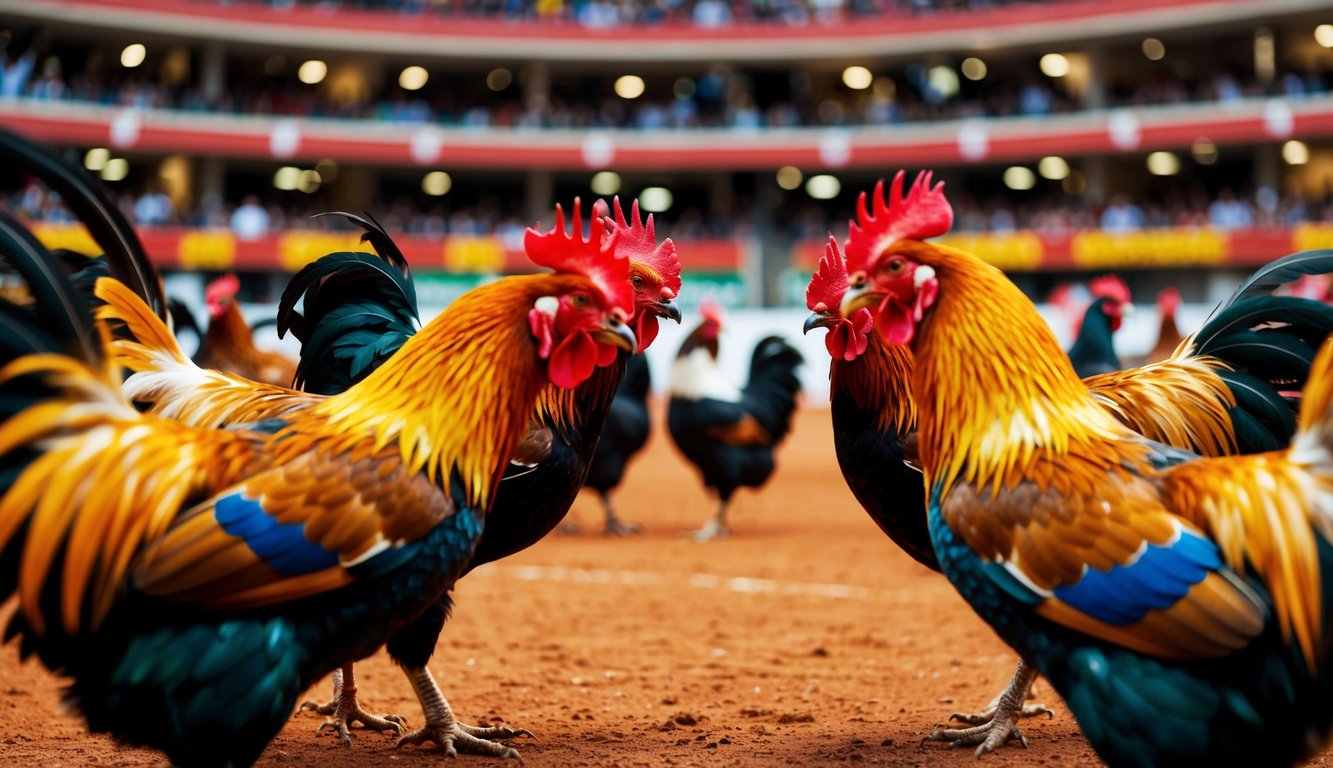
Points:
(1157, 579)
(282, 545)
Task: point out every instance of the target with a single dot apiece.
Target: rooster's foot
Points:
(712, 530)
(326, 709)
(454, 737)
(348, 715)
(347, 711)
(988, 737)
(617, 527)
(999, 722)
(987, 715)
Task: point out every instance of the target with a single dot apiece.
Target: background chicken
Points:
(191, 619)
(1094, 345)
(627, 428)
(1168, 333)
(1167, 598)
(729, 433)
(357, 309)
(229, 344)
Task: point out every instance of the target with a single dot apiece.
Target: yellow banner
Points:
(1149, 248)
(297, 249)
(73, 237)
(1017, 251)
(206, 249)
(1308, 237)
(473, 254)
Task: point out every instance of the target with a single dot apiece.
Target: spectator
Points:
(250, 221)
(1226, 212)
(1122, 215)
(15, 72)
(153, 208)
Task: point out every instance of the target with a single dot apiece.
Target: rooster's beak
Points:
(668, 308)
(617, 334)
(818, 320)
(860, 298)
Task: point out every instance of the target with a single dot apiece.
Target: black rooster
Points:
(1094, 347)
(626, 432)
(730, 433)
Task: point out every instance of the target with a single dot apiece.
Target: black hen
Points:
(729, 433)
(1094, 348)
(626, 432)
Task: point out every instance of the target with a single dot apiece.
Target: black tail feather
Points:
(91, 203)
(59, 320)
(358, 309)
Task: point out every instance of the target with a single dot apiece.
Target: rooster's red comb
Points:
(638, 241)
(223, 287)
(829, 283)
(595, 258)
(1111, 287)
(923, 212)
(711, 311)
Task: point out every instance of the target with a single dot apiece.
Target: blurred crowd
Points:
(720, 96)
(703, 13)
(251, 216)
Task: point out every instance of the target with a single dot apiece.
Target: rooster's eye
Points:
(895, 266)
(580, 300)
(636, 280)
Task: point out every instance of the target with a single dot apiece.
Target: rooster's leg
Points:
(988, 714)
(330, 706)
(614, 525)
(999, 723)
(715, 528)
(443, 729)
(348, 712)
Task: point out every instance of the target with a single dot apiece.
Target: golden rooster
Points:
(229, 344)
(192, 581)
(1176, 602)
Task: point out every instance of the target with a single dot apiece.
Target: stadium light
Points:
(1323, 34)
(1163, 164)
(133, 55)
(1153, 49)
(1053, 168)
(309, 182)
(116, 169)
(96, 159)
(1295, 152)
(655, 199)
(499, 79)
(629, 86)
(857, 78)
(1204, 151)
(823, 186)
(287, 178)
(413, 78)
(974, 68)
(605, 183)
(1018, 178)
(312, 72)
(790, 177)
(1054, 65)
(436, 183)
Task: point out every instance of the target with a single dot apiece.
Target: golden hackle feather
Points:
(1180, 401)
(989, 353)
(170, 382)
(450, 398)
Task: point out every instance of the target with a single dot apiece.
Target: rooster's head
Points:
(885, 274)
(847, 338)
(1111, 296)
(654, 270)
(220, 294)
(583, 324)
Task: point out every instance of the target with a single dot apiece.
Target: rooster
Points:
(201, 578)
(1168, 334)
(1176, 401)
(728, 433)
(229, 345)
(356, 311)
(1094, 342)
(1175, 602)
(627, 428)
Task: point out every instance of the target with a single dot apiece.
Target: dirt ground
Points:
(806, 639)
